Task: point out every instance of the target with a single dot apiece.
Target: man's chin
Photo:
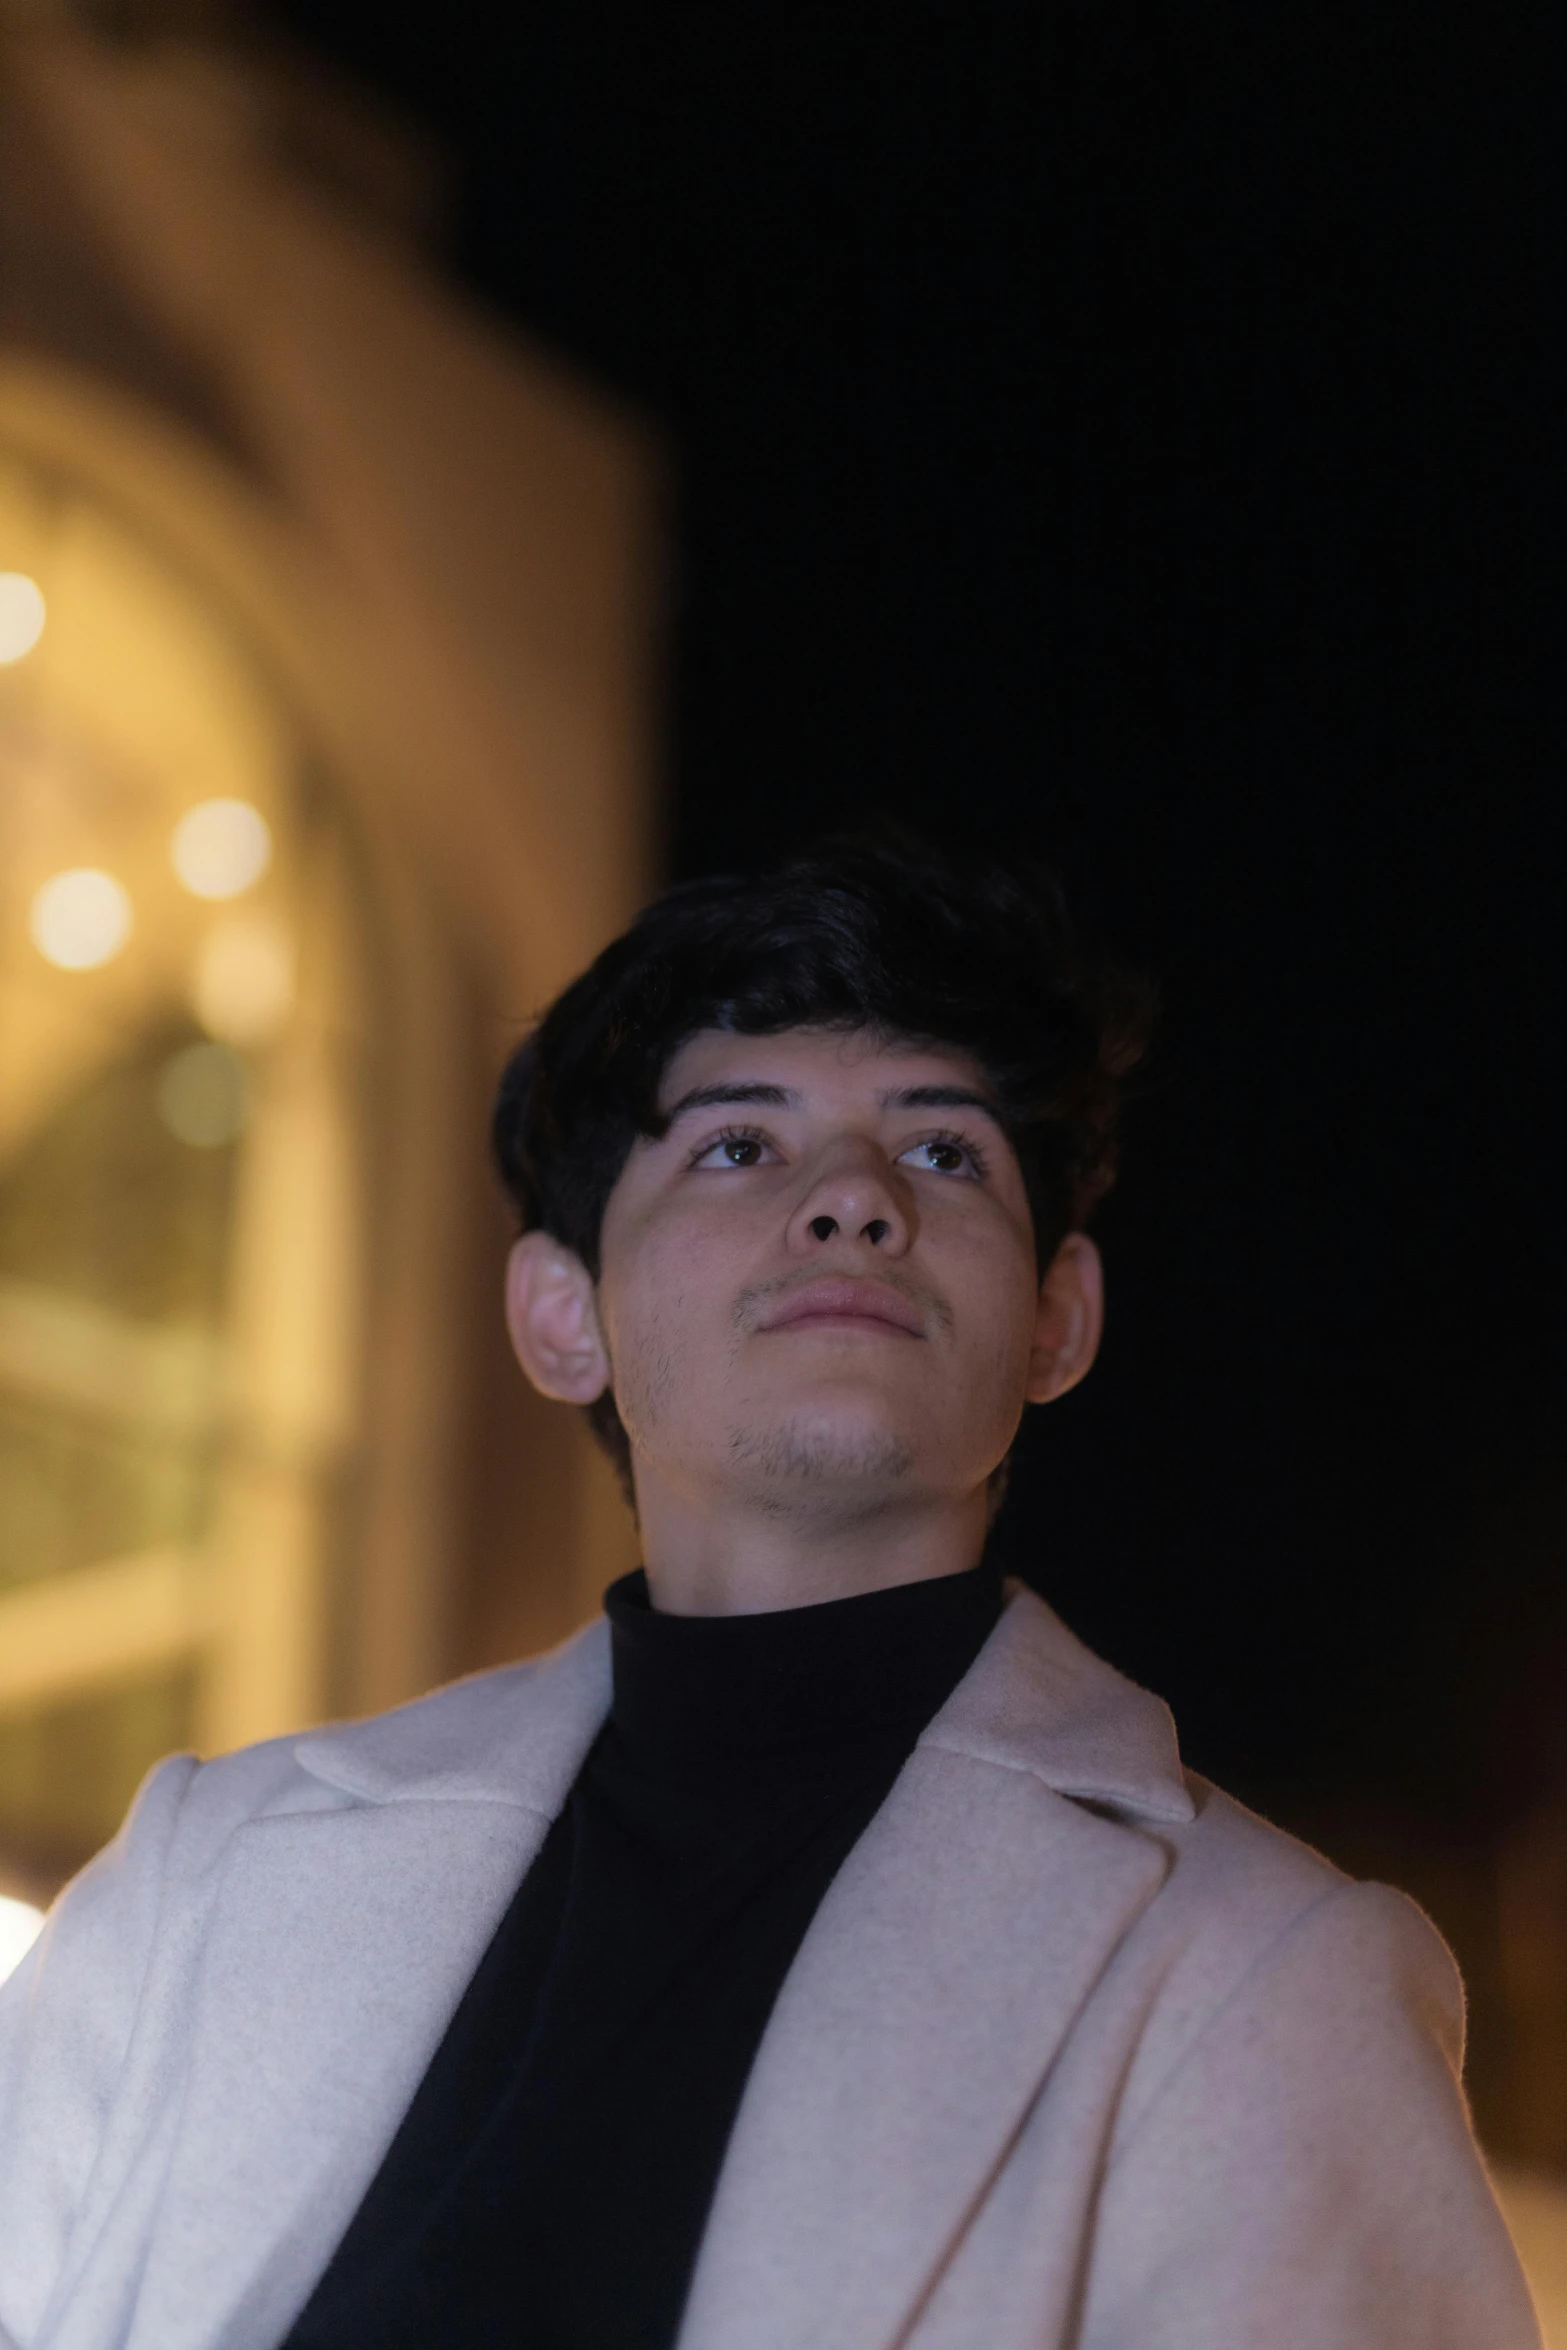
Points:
(824, 1454)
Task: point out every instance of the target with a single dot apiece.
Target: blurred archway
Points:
(328, 762)
(187, 1084)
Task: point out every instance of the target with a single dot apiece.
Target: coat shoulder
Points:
(1240, 1865)
(1246, 1882)
(1292, 2131)
(1239, 1886)
(1246, 1904)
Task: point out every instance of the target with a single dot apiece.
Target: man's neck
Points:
(719, 1555)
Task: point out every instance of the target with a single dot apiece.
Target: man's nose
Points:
(858, 1198)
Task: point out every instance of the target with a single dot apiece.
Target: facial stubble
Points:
(803, 1457)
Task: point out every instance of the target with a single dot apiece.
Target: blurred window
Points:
(181, 965)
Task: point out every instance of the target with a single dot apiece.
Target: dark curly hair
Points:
(855, 935)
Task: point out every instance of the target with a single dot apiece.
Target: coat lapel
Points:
(341, 1942)
(930, 1997)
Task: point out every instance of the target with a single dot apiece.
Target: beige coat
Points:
(1076, 2052)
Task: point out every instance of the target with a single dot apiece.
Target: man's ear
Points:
(1069, 1321)
(552, 1314)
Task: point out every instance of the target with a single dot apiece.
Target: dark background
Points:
(1129, 435)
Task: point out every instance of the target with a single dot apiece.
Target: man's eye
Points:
(942, 1157)
(733, 1150)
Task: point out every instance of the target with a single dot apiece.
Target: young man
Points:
(825, 1952)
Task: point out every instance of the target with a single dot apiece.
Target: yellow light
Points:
(80, 919)
(220, 847)
(20, 1926)
(22, 614)
(201, 1096)
(244, 984)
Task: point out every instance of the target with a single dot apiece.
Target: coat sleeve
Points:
(1306, 2177)
(66, 2019)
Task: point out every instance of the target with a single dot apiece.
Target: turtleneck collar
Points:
(871, 1669)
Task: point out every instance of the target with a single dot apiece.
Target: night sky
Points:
(1130, 436)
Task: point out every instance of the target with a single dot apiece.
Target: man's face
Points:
(819, 1285)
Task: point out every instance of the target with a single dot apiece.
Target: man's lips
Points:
(847, 1300)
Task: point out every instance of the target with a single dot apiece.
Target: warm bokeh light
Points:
(20, 1926)
(22, 614)
(202, 1095)
(80, 919)
(1534, 2203)
(221, 847)
(244, 980)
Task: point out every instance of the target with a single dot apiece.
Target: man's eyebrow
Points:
(737, 1093)
(941, 1097)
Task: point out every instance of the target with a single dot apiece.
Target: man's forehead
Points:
(795, 1064)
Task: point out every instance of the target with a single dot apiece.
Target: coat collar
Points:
(515, 1736)
(1035, 1700)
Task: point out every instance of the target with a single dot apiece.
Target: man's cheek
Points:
(659, 1368)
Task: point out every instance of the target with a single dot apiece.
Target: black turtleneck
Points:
(550, 2182)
